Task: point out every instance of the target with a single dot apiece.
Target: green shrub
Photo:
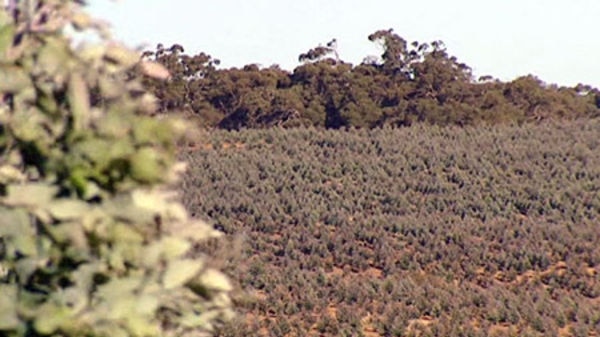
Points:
(93, 241)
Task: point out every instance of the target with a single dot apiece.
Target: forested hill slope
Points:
(421, 231)
(409, 83)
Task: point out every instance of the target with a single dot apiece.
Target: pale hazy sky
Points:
(556, 40)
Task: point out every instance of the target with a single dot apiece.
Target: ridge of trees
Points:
(409, 83)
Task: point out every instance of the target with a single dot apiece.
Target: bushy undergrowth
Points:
(390, 232)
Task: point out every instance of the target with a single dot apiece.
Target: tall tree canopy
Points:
(408, 83)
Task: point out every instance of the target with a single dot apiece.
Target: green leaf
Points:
(75, 298)
(7, 36)
(15, 225)
(203, 320)
(79, 101)
(5, 18)
(114, 125)
(107, 328)
(25, 245)
(121, 149)
(146, 166)
(84, 275)
(116, 260)
(14, 79)
(168, 248)
(71, 233)
(54, 57)
(128, 252)
(68, 209)
(32, 194)
(25, 267)
(123, 208)
(109, 88)
(215, 280)
(143, 132)
(95, 149)
(78, 179)
(50, 317)
(14, 222)
(47, 103)
(179, 272)
(142, 326)
(196, 230)
(147, 304)
(9, 319)
(126, 233)
(122, 306)
(28, 126)
(90, 191)
(153, 131)
(119, 288)
(9, 173)
(150, 199)
(174, 247)
(135, 311)
(23, 97)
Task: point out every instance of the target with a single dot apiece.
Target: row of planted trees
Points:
(363, 231)
(409, 83)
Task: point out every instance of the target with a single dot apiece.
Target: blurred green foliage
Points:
(93, 241)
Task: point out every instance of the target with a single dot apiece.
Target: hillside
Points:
(421, 231)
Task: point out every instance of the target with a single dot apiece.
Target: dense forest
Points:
(409, 83)
(420, 231)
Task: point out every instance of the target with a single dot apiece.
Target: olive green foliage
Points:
(93, 242)
(421, 231)
(409, 83)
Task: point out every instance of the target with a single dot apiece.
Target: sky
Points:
(556, 40)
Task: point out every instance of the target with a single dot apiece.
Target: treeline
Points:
(409, 83)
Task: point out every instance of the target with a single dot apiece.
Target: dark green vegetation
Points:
(409, 83)
(421, 231)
